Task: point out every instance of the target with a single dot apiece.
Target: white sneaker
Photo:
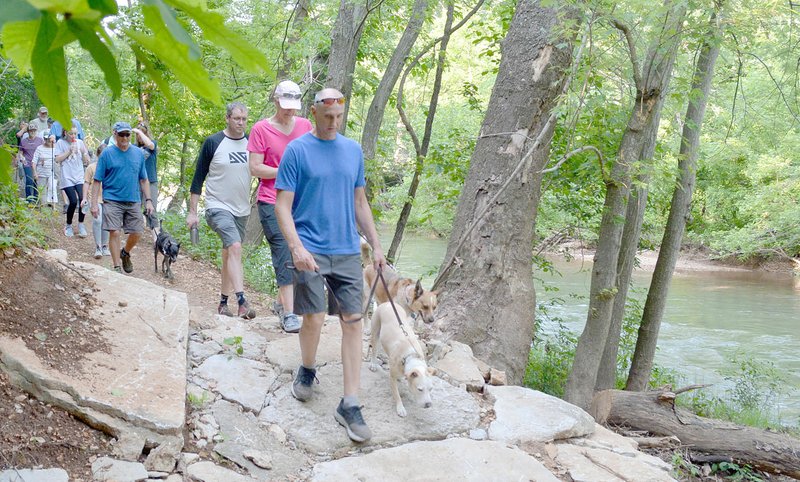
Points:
(68, 231)
(82, 230)
(106, 251)
(98, 253)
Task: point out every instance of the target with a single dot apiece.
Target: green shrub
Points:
(20, 227)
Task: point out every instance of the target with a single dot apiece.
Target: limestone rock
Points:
(258, 457)
(185, 459)
(524, 415)
(210, 472)
(603, 438)
(598, 465)
(239, 379)
(497, 377)
(451, 459)
(108, 469)
(284, 352)
(164, 457)
(461, 367)
(37, 475)
(129, 446)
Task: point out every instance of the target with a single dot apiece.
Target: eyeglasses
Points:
(124, 134)
(289, 95)
(330, 101)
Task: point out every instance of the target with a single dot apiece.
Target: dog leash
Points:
(391, 301)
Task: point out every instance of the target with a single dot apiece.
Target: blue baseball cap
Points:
(122, 127)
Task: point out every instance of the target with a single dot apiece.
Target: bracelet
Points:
(148, 199)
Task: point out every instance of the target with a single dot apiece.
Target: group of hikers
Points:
(311, 204)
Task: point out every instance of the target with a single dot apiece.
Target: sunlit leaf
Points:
(17, 11)
(17, 44)
(214, 29)
(74, 7)
(156, 11)
(63, 37)
(104, 6)
(101, 54)
(50, 71)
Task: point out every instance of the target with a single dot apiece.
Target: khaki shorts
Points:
(344, 275)
(125, 216)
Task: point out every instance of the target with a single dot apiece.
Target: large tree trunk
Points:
(655, 412)
(651, 83)
(345, 38)
(421, 148)
(372, 125)
(487, 277)
(642, 363)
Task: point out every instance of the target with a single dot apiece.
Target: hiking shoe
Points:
(106, 251)
(223, 310)
(246, 312)
(291, 323)
(68, 232)
(351, 419)
(301, 387)
(98, 253)
(118, 269)
(82, 230)
(127, 265)
(277, 309)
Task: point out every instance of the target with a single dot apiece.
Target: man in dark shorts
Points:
(120, 169)
(320, 202)
(222, 166)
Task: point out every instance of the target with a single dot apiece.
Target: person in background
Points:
(27, 147)
(222, 167)
(44, 160)
(40, 121)
(100, 235)
(72, 154)
(148, 145)
(19, 172)
(121, 173)
(58, 129)
(268, 140)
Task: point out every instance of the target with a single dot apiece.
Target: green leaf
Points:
(40, 336)
(108, 7)
(214, 29)
(5, 166)
(101, 54)
(156, 11)
(17, 43)
(50, 71)
(151, 70)
(17, 11)
(176, 58)
(63, 37)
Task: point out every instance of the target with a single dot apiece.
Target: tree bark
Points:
(487, 278)
(420, 148)
(180, 198)
(655, 412)
(642, 363)
(372, 124)
(651, 84)
(345, 39)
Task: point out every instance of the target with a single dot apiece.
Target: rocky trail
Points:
(106, 376)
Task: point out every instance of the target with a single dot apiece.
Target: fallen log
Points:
(655, 412)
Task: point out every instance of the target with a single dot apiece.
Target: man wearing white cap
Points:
(268, 139)
(40, 122)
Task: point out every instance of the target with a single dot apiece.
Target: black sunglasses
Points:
(124, 134)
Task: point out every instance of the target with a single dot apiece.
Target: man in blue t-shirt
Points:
(120, 169)
(320, 202)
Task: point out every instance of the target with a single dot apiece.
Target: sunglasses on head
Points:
(331, 101)
(289, 95)
(124, 134)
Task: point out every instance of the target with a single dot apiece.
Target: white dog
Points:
(406, 356)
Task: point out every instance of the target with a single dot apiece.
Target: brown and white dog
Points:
(411, 296)
(406, 356)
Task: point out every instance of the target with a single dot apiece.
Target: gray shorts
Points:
(230, 228)
(278, 246)
(125, 216)
(343, 273)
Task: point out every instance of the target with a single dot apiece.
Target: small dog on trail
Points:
(411, 296)
(406, 356)
(164, 243)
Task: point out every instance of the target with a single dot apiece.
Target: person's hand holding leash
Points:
(379, 260)
(303, 260)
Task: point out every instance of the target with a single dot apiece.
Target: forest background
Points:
(420, 154)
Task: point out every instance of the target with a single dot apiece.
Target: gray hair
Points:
(234, 106)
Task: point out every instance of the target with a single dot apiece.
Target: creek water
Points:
(711, 316)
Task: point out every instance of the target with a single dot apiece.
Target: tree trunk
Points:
(372, 124)
(651, 84)
(299, 17)
(655, 412)
(642, 363)
(487, 278)
(180, 197)
(345, 38)
(421, 148)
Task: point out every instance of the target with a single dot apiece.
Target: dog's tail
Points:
(366, 254)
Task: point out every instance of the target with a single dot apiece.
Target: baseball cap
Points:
(288, 95)
(47, 134)
(122, 127)
(42, 109)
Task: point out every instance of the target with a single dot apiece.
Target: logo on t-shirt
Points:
(238, 157)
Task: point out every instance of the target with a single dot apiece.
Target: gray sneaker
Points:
(301, 387)
(351, 419)
(291, 323)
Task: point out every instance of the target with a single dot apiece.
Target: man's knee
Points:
(235, 250)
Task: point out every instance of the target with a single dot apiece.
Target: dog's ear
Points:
(432, 371)
(418, 290)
